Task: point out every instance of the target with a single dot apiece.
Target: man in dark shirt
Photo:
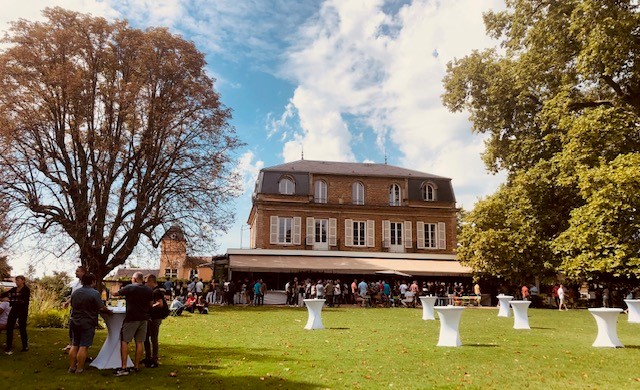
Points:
(85, 305)
(139, 300)
(153, 330)
(19, 300)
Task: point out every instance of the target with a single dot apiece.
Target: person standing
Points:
(159, 311)
(86, 303)
(320, 290)
(525, 293)
(75, 285)
(257, 287)
(19, 297)
(561, 298)
(263, 291)
(139, 301)
(199, 287)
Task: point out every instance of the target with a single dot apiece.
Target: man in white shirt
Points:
(403, 288)
(199, 287)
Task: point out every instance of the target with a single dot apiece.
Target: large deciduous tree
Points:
(110, 135)
(559, 101)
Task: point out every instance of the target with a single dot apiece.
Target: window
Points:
(395, 198)
(396, 233)
(286, 186)
(359, 233)
(193, 273)
(320, 192)
(429, 192)
(171, 273)
(284, 230)
(430, 236)
(357, 193)
(321, 230)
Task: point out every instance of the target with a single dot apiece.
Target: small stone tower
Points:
(173, 254)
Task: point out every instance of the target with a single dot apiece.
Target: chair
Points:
(408, 300)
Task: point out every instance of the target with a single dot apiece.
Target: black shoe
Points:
(121, 372)
(134, 370)
(153, 365)
(25, 349)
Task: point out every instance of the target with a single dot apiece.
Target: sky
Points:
(337, 80)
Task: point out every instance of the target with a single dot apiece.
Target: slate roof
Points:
(349, 168)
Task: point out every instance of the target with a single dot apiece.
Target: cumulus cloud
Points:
(374, 64)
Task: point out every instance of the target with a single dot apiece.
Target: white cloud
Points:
(354, 60)
(248, 170)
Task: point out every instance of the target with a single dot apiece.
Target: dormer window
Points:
(320, 192)
(429, 192)
(395, 195)
(357, 193)
(286, 186)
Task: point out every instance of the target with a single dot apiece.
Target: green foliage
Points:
(604, 234)
(5, 268)
(558, 103)
(52, 318)
(42, 301)
(58, 284)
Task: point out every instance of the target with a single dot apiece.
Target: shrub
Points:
(53, 318)
(43, 306)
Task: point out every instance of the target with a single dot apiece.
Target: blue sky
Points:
(345, 80)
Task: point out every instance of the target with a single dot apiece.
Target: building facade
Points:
(351, 218)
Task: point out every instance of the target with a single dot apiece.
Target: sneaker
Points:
(79, 371)
(71, 370)
(152, 365)
(134, 369)
(8, 352)
(121, 372)
(25, 349)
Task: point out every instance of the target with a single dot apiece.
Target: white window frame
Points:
(171, 273)
(286, 186)
(278, 229)
(357, 193)
(395, 195)
(320, 191)
(360, 238)
(431, 235)
(429, 192)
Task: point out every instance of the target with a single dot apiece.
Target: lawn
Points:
(260, 347)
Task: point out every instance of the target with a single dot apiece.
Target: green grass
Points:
(248, 347)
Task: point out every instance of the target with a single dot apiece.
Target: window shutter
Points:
(297, 226)
(408, 236)
(348, 232)
(420, 234)
(310, 231)
(386, 234)
(371, 239)
(273, 231)
(333, 231)
(442, 236)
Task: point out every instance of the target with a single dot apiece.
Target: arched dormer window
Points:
(357, 193)
(429, 192)
(320, 192)
(395, 195)
(286, 186)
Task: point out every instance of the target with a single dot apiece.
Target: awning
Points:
(344, 265)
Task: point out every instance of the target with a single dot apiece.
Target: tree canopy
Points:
(110, 135)
(560, 103)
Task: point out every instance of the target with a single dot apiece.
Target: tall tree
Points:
(113, 135)
(561, 97)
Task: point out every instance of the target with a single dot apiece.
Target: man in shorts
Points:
(139, 301)
(85, 305)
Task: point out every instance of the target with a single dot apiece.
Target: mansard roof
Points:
(350, 169)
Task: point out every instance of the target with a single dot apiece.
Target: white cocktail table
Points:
(109, 355)
(634, 310)
(607, 321)
(520, 314)
(314, 307)
(427, 307)
(449, 324)
(504, 305)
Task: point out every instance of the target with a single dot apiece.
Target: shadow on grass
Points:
(542, 328)
(337, 328)
(481, 345)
